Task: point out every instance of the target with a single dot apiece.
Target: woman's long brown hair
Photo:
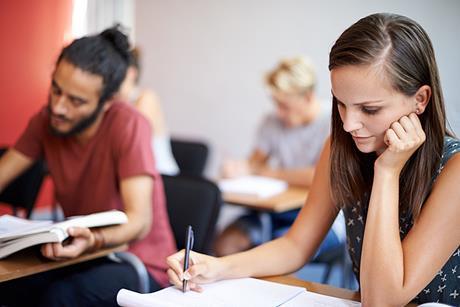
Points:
(405, 55)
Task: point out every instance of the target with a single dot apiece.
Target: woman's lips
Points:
(361, 138)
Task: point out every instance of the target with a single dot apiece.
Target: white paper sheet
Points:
(312, 299)
(228, 293)
(256, 186)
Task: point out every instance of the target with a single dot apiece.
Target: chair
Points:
(192, 201)
(191, 156)
(23, 191)
(138, 266)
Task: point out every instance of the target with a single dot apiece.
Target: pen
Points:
(189, 238)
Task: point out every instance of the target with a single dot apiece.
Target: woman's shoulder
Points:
(147, 97)
(451, 147)
(449, 158)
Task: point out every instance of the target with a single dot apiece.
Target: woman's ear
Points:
(422, 98)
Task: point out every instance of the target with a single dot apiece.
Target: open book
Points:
(17, 234)
(242, 292)
(256, 186)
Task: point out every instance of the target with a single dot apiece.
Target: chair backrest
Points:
(191, 156)
(23, 191)
(192, 201)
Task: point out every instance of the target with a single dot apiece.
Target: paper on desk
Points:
(256, 186)
(318, 300)
(227, 293)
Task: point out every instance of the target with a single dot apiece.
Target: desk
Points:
(319, 288)
(27, 262)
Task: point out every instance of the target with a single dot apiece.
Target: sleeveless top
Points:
(445, 286)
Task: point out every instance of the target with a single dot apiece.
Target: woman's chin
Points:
(365, 148)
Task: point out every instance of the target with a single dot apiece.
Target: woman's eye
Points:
(370, 111)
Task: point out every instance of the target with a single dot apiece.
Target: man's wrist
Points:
(99, 240)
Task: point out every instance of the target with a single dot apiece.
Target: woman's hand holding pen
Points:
(203, 269)
(403, 138)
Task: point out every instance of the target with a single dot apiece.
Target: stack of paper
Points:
(255, 186)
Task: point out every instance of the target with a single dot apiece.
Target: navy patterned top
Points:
(445, 286)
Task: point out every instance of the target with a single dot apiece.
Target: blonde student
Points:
(287, 147)
(390, 164)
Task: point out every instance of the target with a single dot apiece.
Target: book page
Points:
(94, 220)
(11, 225)
(14, 228)
(312, 299)
(227, 293)
(256, 186)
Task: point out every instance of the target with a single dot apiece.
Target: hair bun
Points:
(119, 40)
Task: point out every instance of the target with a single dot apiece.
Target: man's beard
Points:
(80, 126)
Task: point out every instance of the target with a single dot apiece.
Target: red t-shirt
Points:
(87, 177)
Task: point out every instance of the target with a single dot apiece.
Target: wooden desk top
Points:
(292, 198)
(28, 262)
(319, 288)
(315, 287)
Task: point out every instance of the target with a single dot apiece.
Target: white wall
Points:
(206, 58)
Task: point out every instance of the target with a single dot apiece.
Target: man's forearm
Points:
(298, 177)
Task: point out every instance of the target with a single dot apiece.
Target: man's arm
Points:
(296, 176)
(136, 193)
(302, 177)
(257, 164)
(12, 164)
(236, 168)
(137, 198)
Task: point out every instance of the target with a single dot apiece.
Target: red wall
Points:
(32, 33)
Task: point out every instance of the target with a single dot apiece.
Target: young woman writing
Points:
(389, 164)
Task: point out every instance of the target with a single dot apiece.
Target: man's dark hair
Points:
(106, 54)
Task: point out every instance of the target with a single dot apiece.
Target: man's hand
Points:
(235, 168)
(81, 240)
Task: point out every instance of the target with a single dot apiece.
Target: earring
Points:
(417, 111)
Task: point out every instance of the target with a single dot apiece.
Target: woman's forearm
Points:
(266, 260)
(382, 261)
